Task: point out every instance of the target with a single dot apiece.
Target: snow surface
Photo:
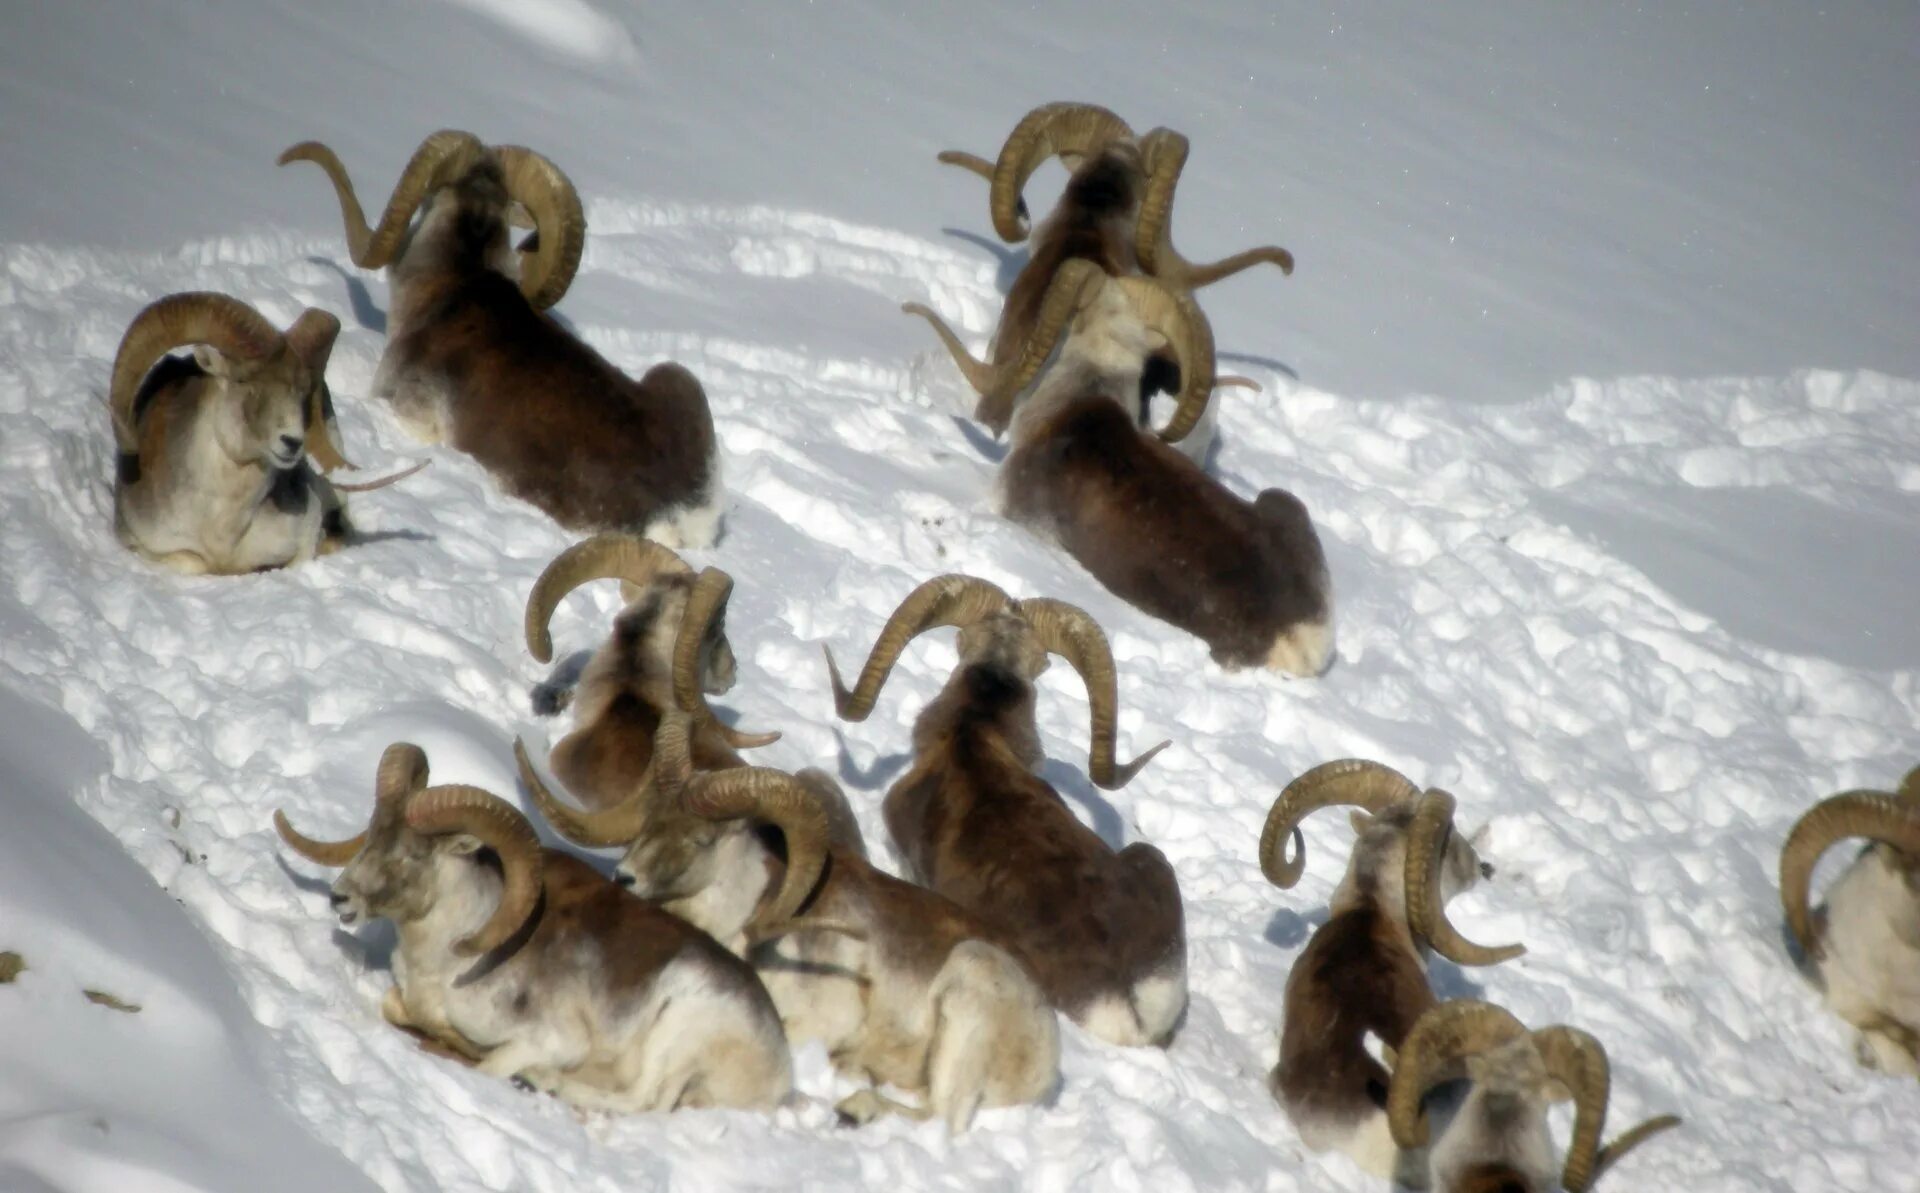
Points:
(1598, 375)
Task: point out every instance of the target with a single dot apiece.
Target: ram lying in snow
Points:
(668, 649)
(473, 359)
(902, 987)
(543, 971)
(216, 450)
(1364, 972)
(1114, 213)
(1249, 578)
(1104, 931)
(1497, 1139)
(1864, 943)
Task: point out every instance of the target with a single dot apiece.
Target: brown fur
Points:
(978, 826)
(1357, 975)
(1165, 537)
(547, 415)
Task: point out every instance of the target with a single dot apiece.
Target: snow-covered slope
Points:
(1635, 623)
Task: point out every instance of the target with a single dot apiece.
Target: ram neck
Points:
(464, 893)
(747, 873)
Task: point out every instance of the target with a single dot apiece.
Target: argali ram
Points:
(474, 360)
(1103, 930)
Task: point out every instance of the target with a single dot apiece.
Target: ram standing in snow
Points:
(474, 360)
(1104, 931)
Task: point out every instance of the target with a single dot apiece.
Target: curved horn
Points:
(1057, 128)
(441, 157)
(1355, 781)
(775, 797)
(559, 221)
(1577, 1061)
(1069, 632)
(1164, 155)
(1869, 814)
(195, 317)
(1178, 319)
(498, 824)
(704, 605)
(1442, 1036)
(951, 599)
(1626, 1142)
(973, 163)
(326, 853)
(1910, 786)
(979, 374)
(618, 824)
(626, 557)
(1426, 904)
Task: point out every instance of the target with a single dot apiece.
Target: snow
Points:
(1598, 375)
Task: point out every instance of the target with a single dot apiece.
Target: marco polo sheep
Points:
(1249, 578)
(217, 449)
(472, 358)
(1114, 212)
(1497, 1140)
(1864, 942)
(1364, 971)
(668, 648)
(902, 987)
(1104, 931)
(531, 963)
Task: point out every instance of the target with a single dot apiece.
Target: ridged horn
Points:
(1441, 1038)
(1369, 785)
(496, 823)
(619, 824)
(949, 600)
(1910, 786)
(326, 853)
(1178, 319)
(1164, 155)
(1046, 131)
(560, 223)
(195, 317)
(632, 560)
(442, 157)
(311, 339)
(1576, 1060)
(1426, 903)
(1870, 814)
(762, 794)
(704, 604)
(1067, 630)
(972, 163)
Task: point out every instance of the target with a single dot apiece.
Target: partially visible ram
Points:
(1497, 1137)
(903, 987)
(472, 358)
(1864, 942)
(1114, 213)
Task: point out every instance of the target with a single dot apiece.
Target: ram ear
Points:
(1360, 821)
(212, 360)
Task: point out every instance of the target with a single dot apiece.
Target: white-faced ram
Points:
(668, 649)
(1864, 942)
(1114, 213)
(1104, 931)
(1364, 972)
(1249, 578)
(473, 359)
(217, 450)
(1497, 1140)
(902, 987)
(539, 968)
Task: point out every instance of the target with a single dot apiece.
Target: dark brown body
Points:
(556, 423)
(1165, 537)
(1357, 975)
(598, 763)
(975, 824)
